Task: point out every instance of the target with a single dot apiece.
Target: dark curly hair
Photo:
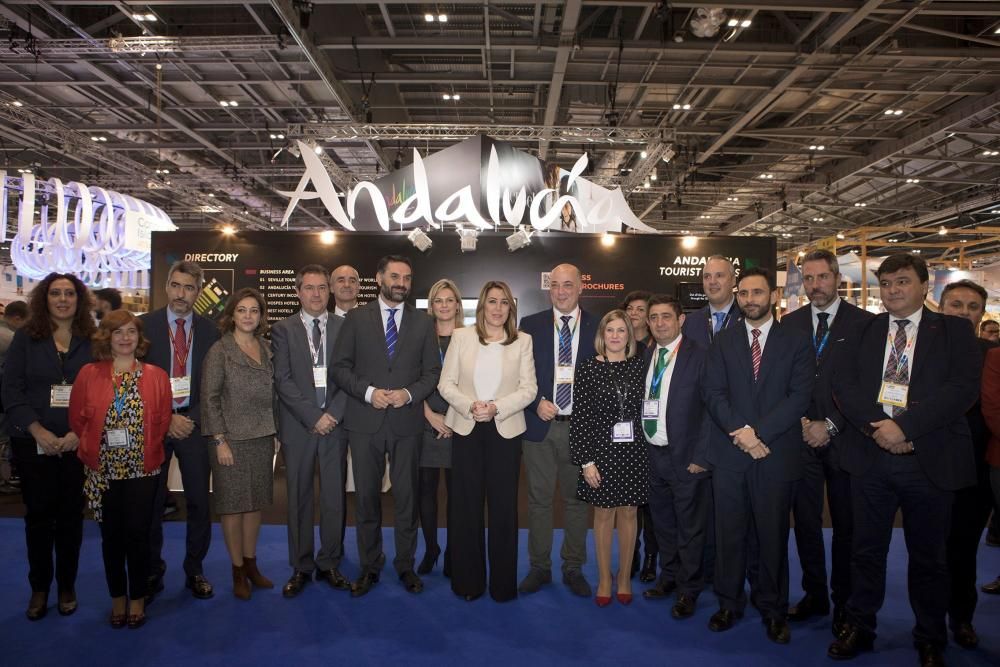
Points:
(227, 320)
(100, 345)
(39, 324)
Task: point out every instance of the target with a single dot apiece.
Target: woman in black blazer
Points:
(41, 365)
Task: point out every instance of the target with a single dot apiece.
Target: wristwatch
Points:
(218, 441)
(831, 428)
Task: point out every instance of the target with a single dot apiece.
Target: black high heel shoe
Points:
(429, 560)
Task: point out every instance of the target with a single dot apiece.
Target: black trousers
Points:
(746, 503)
(192, 458)
(368, 453)
(645, 534)
(127, 507)
(485, 468)
(427, 499)
(898, 482)
(969, 517)
(52, 489)
(807, 509)
(679, 504)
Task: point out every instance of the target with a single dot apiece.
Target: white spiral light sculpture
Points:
(99, 235)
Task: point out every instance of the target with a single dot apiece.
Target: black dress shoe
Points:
(722, 620)
(534, 580)
(810, 605)
(429, 560)
(648, 572)
(839, 622)
(853, 642)
(778, 630)
(411, 582)
(38, 606)
(684, 607)
(295, 584)
(334, 578)
(364, 584)
(199, 586)
(576, 583)
(992, 588)
(965, 635)
(660, 591)
(930, 656)
(67, 602)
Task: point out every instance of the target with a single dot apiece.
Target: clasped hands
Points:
(483, 411)
(52, 445)
(890, 437)
(324, 424)
(746, 439)
(385, 398)
(814, 433)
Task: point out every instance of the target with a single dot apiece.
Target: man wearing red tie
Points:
(179, 339)
(905, 379)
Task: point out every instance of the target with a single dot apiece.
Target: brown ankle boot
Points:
(241, 585)
(254, 575)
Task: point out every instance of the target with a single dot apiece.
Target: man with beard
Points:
(387, 360)
(310, 409)
(757, 384)
(827, 321)
(344, 284)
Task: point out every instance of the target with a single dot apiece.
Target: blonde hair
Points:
(436, 288)
(616, 314)
(510, 326)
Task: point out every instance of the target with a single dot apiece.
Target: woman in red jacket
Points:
(120, 410)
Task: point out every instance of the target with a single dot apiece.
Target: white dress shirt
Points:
(765, 329)
(307, 321)
(383, 309)
(831, 309)
(911, 337)
(573, 323)
(489, 371)
(660, 439)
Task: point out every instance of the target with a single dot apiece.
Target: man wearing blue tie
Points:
(718, 278)
(563, 336)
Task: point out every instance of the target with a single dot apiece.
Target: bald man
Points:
(563, 335)
(344, 284)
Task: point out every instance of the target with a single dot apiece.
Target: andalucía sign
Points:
(478, 182)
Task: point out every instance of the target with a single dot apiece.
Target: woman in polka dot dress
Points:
(605, 440)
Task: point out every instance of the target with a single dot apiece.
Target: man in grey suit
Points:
(387, 360)
(310, 409)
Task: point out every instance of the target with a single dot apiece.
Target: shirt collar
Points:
(914, 318)
(669, 347)
(832, 308)
(729, 304)
(172, 318)
(309, 318)
(572, 316)
(764, 328)
(384, 306)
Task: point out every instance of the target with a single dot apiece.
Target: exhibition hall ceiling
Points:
(799, 119)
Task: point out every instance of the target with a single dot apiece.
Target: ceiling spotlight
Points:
(652, 176)
(943, 231)
(211, 194)
(990, 153)
(456, 97)
(786, 235)
(732, 23)
(689, 242)
(893, 112)
(646, 185)
(668, 154)
(916, 252)
(817, 147)
(318, 150)
(607, 240)
(233, 103)
(470, 237)
(446, 96)
(228, 230)
(840, 236)
(732, 198)
(893, 240)
(704, 217)
(442, 18)
(519, 239)
(95, 138)
(223, 103)
(18, 103)
(24, 171)
(817, 219)
(677, 107)
(913, 180)
(745, 23)
(327, 237)
(429, 18)
(420, 240)
(767, 176)
(859, 204)
(643, 154)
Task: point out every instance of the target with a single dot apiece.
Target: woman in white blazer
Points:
(488, 379)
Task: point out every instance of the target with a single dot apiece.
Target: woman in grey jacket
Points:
(237, 411)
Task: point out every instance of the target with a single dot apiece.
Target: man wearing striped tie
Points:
(757, 384)
(905, 379)
(563, 336)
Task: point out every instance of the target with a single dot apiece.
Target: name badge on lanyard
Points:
(117, 438)
(564, 374)
(319, 377)
(59, 395)
(651, 408)
(180, 387)
(894, 394)
(622, 432)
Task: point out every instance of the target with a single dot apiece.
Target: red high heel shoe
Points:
(625, 598)
(602, 601)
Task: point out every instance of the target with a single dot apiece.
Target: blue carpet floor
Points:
(392, 627)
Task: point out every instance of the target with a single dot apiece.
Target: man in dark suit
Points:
(718, 278)
(973, 504)
(310, 409)
(905, 379)
(387, 360)
(178, 341)
(562, 336)
(676, 429)
(827, 321)
(757, 384)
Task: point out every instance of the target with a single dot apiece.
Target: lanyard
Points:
(821, 344)
(314, 354)
(711, 323)
(440, 350)
(904, 358)
(120, 390)
(572, 334)
(181, 361)
(654, 386)
(622, 395)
